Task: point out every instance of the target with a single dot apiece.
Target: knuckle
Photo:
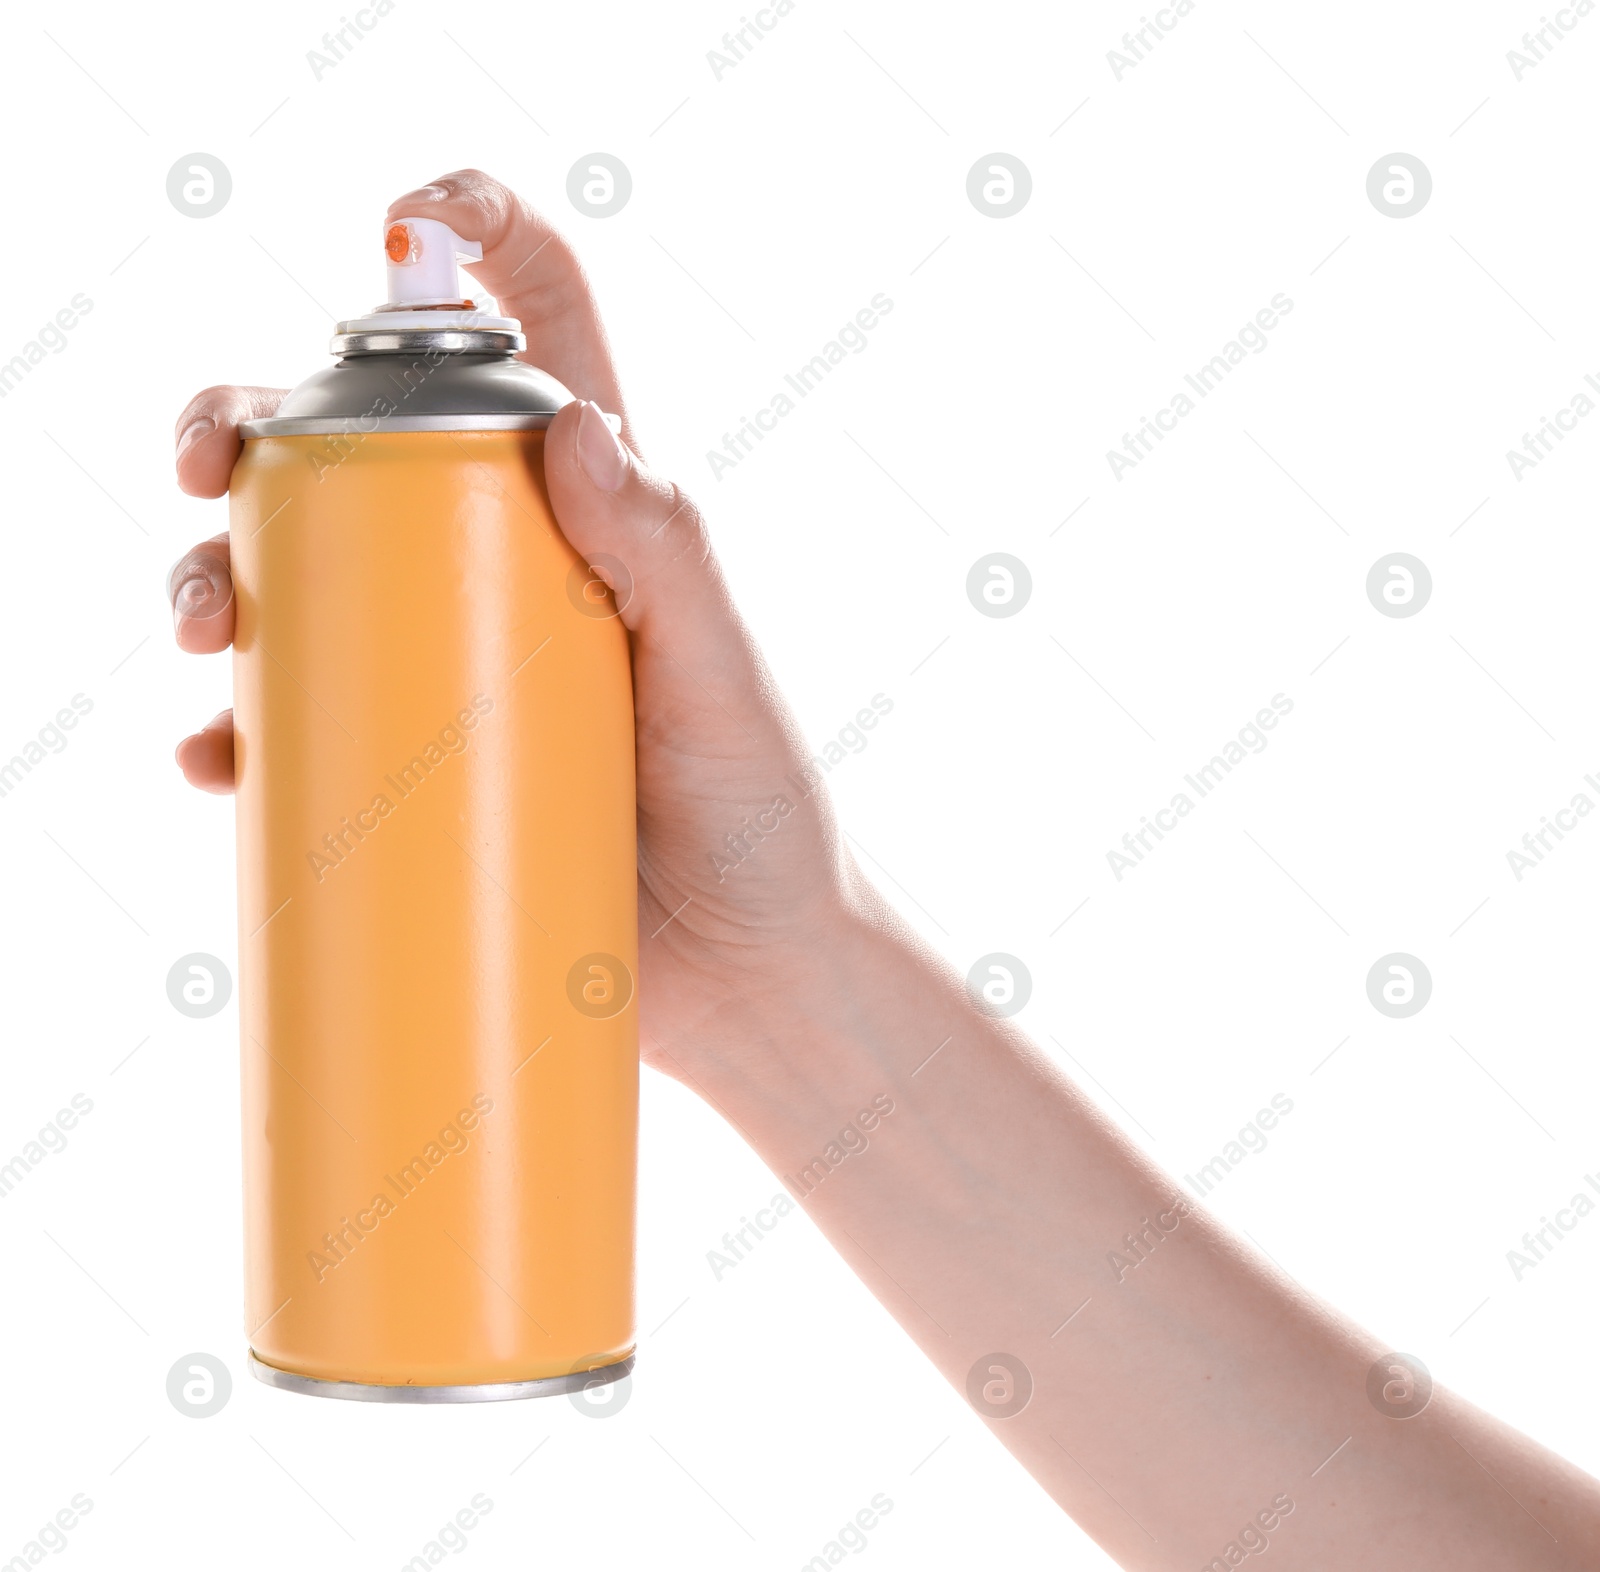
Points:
(684, 527)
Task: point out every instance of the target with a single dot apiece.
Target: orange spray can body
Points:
(437, 897)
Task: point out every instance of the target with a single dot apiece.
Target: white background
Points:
(831, 165)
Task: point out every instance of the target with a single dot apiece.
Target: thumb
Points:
(646, 539)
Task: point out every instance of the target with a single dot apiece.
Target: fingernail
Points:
(599, 451)
(422, 194)
(199, 597)
(193, 432)
(191, 597)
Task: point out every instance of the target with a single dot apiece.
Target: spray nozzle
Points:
(421, 254)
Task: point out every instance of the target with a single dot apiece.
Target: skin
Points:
(1177, 1400)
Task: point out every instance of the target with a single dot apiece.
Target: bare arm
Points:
(1187, 1404)
(1184, 1393)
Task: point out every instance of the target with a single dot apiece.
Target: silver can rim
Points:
(451, 341)
(351, 425)
(483, 1392)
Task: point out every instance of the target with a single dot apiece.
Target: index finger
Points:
(533, 273)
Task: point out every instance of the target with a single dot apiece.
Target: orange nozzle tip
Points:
(397, 243)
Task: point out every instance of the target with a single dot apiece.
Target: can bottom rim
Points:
(479, 1392)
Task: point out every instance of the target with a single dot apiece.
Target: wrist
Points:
(861, 1008)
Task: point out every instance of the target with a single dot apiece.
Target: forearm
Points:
(1181, 1386)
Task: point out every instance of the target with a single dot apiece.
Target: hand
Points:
(717, 747)
(991, 1197)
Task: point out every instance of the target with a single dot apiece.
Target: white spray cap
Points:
(422, 255)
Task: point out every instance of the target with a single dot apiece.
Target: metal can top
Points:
(462, 377)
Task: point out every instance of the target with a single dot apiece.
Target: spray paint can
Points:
(433, 729)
